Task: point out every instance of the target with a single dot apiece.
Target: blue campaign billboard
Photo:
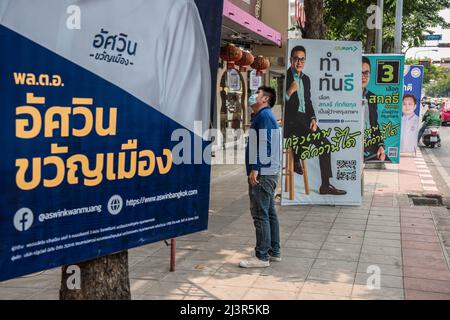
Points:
(101, 103)
(412, 94)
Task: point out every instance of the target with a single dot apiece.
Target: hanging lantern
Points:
(230, 53)
(246, 60)
(260, 64)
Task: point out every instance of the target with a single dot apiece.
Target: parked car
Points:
(445, 113)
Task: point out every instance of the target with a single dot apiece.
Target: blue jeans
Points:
(262, 208)
(421, 131)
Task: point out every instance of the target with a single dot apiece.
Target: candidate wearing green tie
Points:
(300, 119)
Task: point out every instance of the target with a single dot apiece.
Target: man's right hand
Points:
(253, 178)
(292, 88)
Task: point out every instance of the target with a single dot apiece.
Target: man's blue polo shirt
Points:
(263, 149)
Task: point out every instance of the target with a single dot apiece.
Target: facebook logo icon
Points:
(23, 219)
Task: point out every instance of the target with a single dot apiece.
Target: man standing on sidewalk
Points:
(262, 158)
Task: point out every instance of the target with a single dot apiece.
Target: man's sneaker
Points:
(254, 263)
(276, 259)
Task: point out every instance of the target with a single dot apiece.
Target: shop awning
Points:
(239, 26)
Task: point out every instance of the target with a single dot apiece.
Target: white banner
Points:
(323, 142)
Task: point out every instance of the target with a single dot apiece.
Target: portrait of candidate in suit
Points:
(300, 119)
(372, 151)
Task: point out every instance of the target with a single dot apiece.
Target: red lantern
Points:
(260, 64)
(246, 60)
(230, 53)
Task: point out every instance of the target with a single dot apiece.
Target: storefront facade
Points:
(252, 26)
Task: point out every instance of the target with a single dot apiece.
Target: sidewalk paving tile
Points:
(382, 250)
(311, 232)
(18, 293)
(338, 255)
(387, 281)
(346, 232)
(424, 295)
(385, 269)
(418, 237)
(318, 296)
(335, 265)
(232, 279)
(421, 253)
(299, 253)
(218, 292)
(346, 239)
(274, 282)
(347, 226)
(383, 259)
(429, 246)
(363, 292)
(383, 228)
(423, 262)
(426, 273)
(304, 244)
(331, 275)
(419, 231)
(341, 247)
(333, 288)
(437, 286)
(269, 294)
(382, 235)
(197, 277)
(383, 242)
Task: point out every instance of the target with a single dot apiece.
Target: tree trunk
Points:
(370, 41)
(314, 25)
(104, 278)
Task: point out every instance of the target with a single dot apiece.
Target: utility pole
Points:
(398, 26)
(379, 27)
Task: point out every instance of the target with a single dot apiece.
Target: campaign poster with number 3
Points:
(382, 82)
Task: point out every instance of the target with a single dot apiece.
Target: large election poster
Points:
(101, 103)
(382, 92)
(412, 94)
(323, 140)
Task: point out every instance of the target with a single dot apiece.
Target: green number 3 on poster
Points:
(387, 72)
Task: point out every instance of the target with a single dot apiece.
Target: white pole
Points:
(398, 26)
(379, 27)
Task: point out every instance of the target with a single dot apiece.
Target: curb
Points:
(426, 179)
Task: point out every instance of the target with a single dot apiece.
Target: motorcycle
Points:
(431, 137)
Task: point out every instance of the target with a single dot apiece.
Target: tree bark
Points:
(104, 278)
(314, 25)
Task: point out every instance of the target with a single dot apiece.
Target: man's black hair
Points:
(298, 48)
(408, 95)
(366, 60)
(269, 92)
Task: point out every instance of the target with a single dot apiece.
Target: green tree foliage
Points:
(436, 79)
(347, 20)
(433, 72)
(440, 88)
